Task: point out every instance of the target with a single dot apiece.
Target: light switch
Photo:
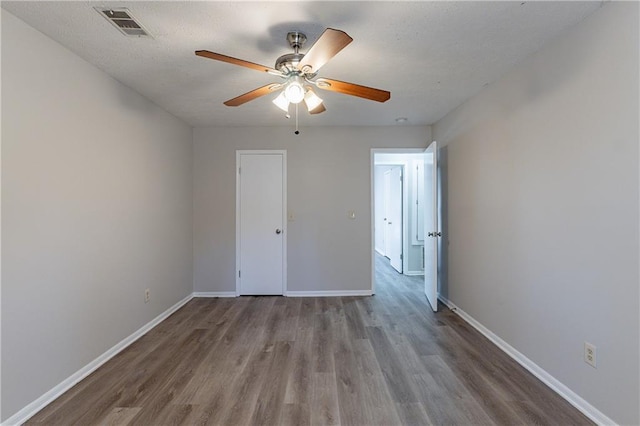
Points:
(351, 214)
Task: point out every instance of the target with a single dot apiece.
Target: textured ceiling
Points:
(432, 56)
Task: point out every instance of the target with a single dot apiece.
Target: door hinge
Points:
(400, 178)
(401, 257)
(238, 274)
(239, 169)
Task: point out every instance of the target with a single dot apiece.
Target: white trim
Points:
(558, 387)
(32, 408)
(285, 232)
(285, 222)
(372, 208)
(414, 273)
(329, 293)
(214, 294)
(237, 271)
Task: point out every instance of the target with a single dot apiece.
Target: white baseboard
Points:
(558, 387)
(31, 409)
(330, 293)
(214, 294)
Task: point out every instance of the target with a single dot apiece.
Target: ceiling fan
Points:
(300, 71)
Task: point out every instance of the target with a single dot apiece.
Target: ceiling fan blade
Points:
(249, 96)
(326, 47)
(317, 110)
(234, 61)
(353, 89)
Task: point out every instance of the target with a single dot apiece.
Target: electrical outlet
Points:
(590, 354)
(147, 295)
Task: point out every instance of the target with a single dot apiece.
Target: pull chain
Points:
(297, 132)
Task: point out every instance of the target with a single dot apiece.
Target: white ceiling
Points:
(432, 56)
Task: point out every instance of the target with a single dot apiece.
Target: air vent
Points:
(125, 22)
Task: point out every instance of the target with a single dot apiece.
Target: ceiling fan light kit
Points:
(312, 100)
(294, 90)
(282, 102)
(299, 72)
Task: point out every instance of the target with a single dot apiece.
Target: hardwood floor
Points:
(381, 360)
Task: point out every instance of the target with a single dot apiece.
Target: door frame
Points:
(284, 212)
(405, 248)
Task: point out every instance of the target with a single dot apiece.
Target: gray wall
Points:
(96, 207)
(328, 174)
(543, 208)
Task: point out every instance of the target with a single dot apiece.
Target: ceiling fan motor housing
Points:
(289, 62)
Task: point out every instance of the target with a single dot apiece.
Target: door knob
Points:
(278, 231)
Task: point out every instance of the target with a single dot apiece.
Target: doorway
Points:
(418, 209)
(395, 212)
(260, 222)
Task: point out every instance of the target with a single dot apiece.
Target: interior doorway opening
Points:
(398, 224)
(405, 184)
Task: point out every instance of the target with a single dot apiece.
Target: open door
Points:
(432, 234)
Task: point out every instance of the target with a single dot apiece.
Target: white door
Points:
(431, 225)
(386, 195)
(394, 218)
(260, 223)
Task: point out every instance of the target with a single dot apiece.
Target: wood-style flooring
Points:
(381, 360)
